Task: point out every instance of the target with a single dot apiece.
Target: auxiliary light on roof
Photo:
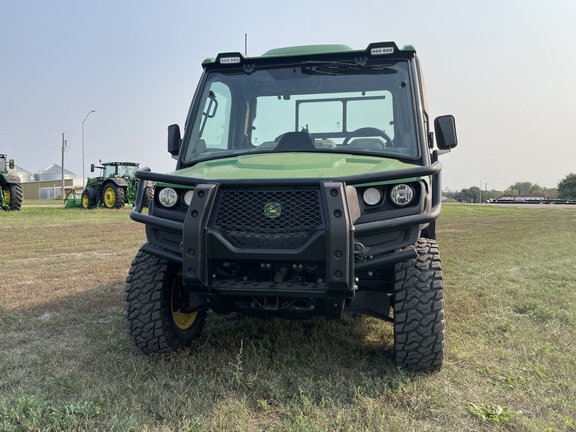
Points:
(382, 51)
(229, 60)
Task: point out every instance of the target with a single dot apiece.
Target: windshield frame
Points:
(369, 72)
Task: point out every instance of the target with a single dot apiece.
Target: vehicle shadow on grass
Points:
(271, 361)
(283, 362)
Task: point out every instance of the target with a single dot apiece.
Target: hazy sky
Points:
(505, 69)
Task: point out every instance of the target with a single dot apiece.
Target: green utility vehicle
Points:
(115, 187)
(10, 185)
(306, 184)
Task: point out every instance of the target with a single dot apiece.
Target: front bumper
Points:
(195, 241)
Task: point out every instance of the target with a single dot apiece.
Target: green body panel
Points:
(291, 165)
(306, 50)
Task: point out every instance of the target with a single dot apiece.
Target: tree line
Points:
(566, 190)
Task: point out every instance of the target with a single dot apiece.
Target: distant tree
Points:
(567, 187)
(491, 194)
(470, 195)
(524, 188)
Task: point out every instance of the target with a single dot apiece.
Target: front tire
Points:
(88, 199)
(148, 196)
(154, 318)
(419, 310)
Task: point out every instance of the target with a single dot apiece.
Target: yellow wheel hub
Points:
(182, 320)
(6, 191)
(109, 197)
(85, 201)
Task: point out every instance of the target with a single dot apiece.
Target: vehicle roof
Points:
(121, 163)
(312, 50)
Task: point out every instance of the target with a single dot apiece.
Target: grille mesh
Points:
(262, 219)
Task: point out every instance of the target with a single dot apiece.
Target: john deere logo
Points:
(272, 210)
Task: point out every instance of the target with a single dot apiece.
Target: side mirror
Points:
(445, 129)
(92, 168)
(174, 140)
(11, 163)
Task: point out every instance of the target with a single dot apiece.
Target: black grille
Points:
(262, 219)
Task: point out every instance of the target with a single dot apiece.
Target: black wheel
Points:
(88, 199)
(113, 196)
(153, 313)
(13, 195)
(148, 197)
(419, 310)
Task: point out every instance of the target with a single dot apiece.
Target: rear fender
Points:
(120, 182)
(9, 179)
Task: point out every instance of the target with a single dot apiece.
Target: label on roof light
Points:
(229, 60)
(382, 51)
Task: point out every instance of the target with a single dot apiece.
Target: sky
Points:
(506, 69)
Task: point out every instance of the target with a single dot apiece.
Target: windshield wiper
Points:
(344, 68)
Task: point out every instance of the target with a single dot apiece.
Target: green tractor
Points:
(115, 187)
(10, 185)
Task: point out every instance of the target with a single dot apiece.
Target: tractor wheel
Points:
(419, 310)
(13, 195)
(113, 196)
(154, 318)
(88, 199)
(148, 196)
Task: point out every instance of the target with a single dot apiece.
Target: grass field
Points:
(67, 364)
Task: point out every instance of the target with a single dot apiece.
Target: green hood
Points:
(291, 165)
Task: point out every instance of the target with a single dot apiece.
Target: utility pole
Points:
(83, 176)
(480, 191)
(64, 147)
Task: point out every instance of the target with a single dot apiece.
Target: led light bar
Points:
(382, 51)
(229, 60)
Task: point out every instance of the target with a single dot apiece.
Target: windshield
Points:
(120, 170)
(3, 165)
(334, 107)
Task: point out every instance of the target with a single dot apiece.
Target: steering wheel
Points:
(368, 132)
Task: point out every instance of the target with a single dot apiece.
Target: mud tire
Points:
(148, 196)
(419, 310)
(152, 318)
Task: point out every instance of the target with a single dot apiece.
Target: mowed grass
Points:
(67, 364)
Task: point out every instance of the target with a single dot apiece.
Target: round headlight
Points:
(188, 197)
(402, 195)
(168, 197)
(372, 196)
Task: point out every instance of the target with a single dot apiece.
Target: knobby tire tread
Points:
(147, 304)
(419, 323)
(16, 196)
